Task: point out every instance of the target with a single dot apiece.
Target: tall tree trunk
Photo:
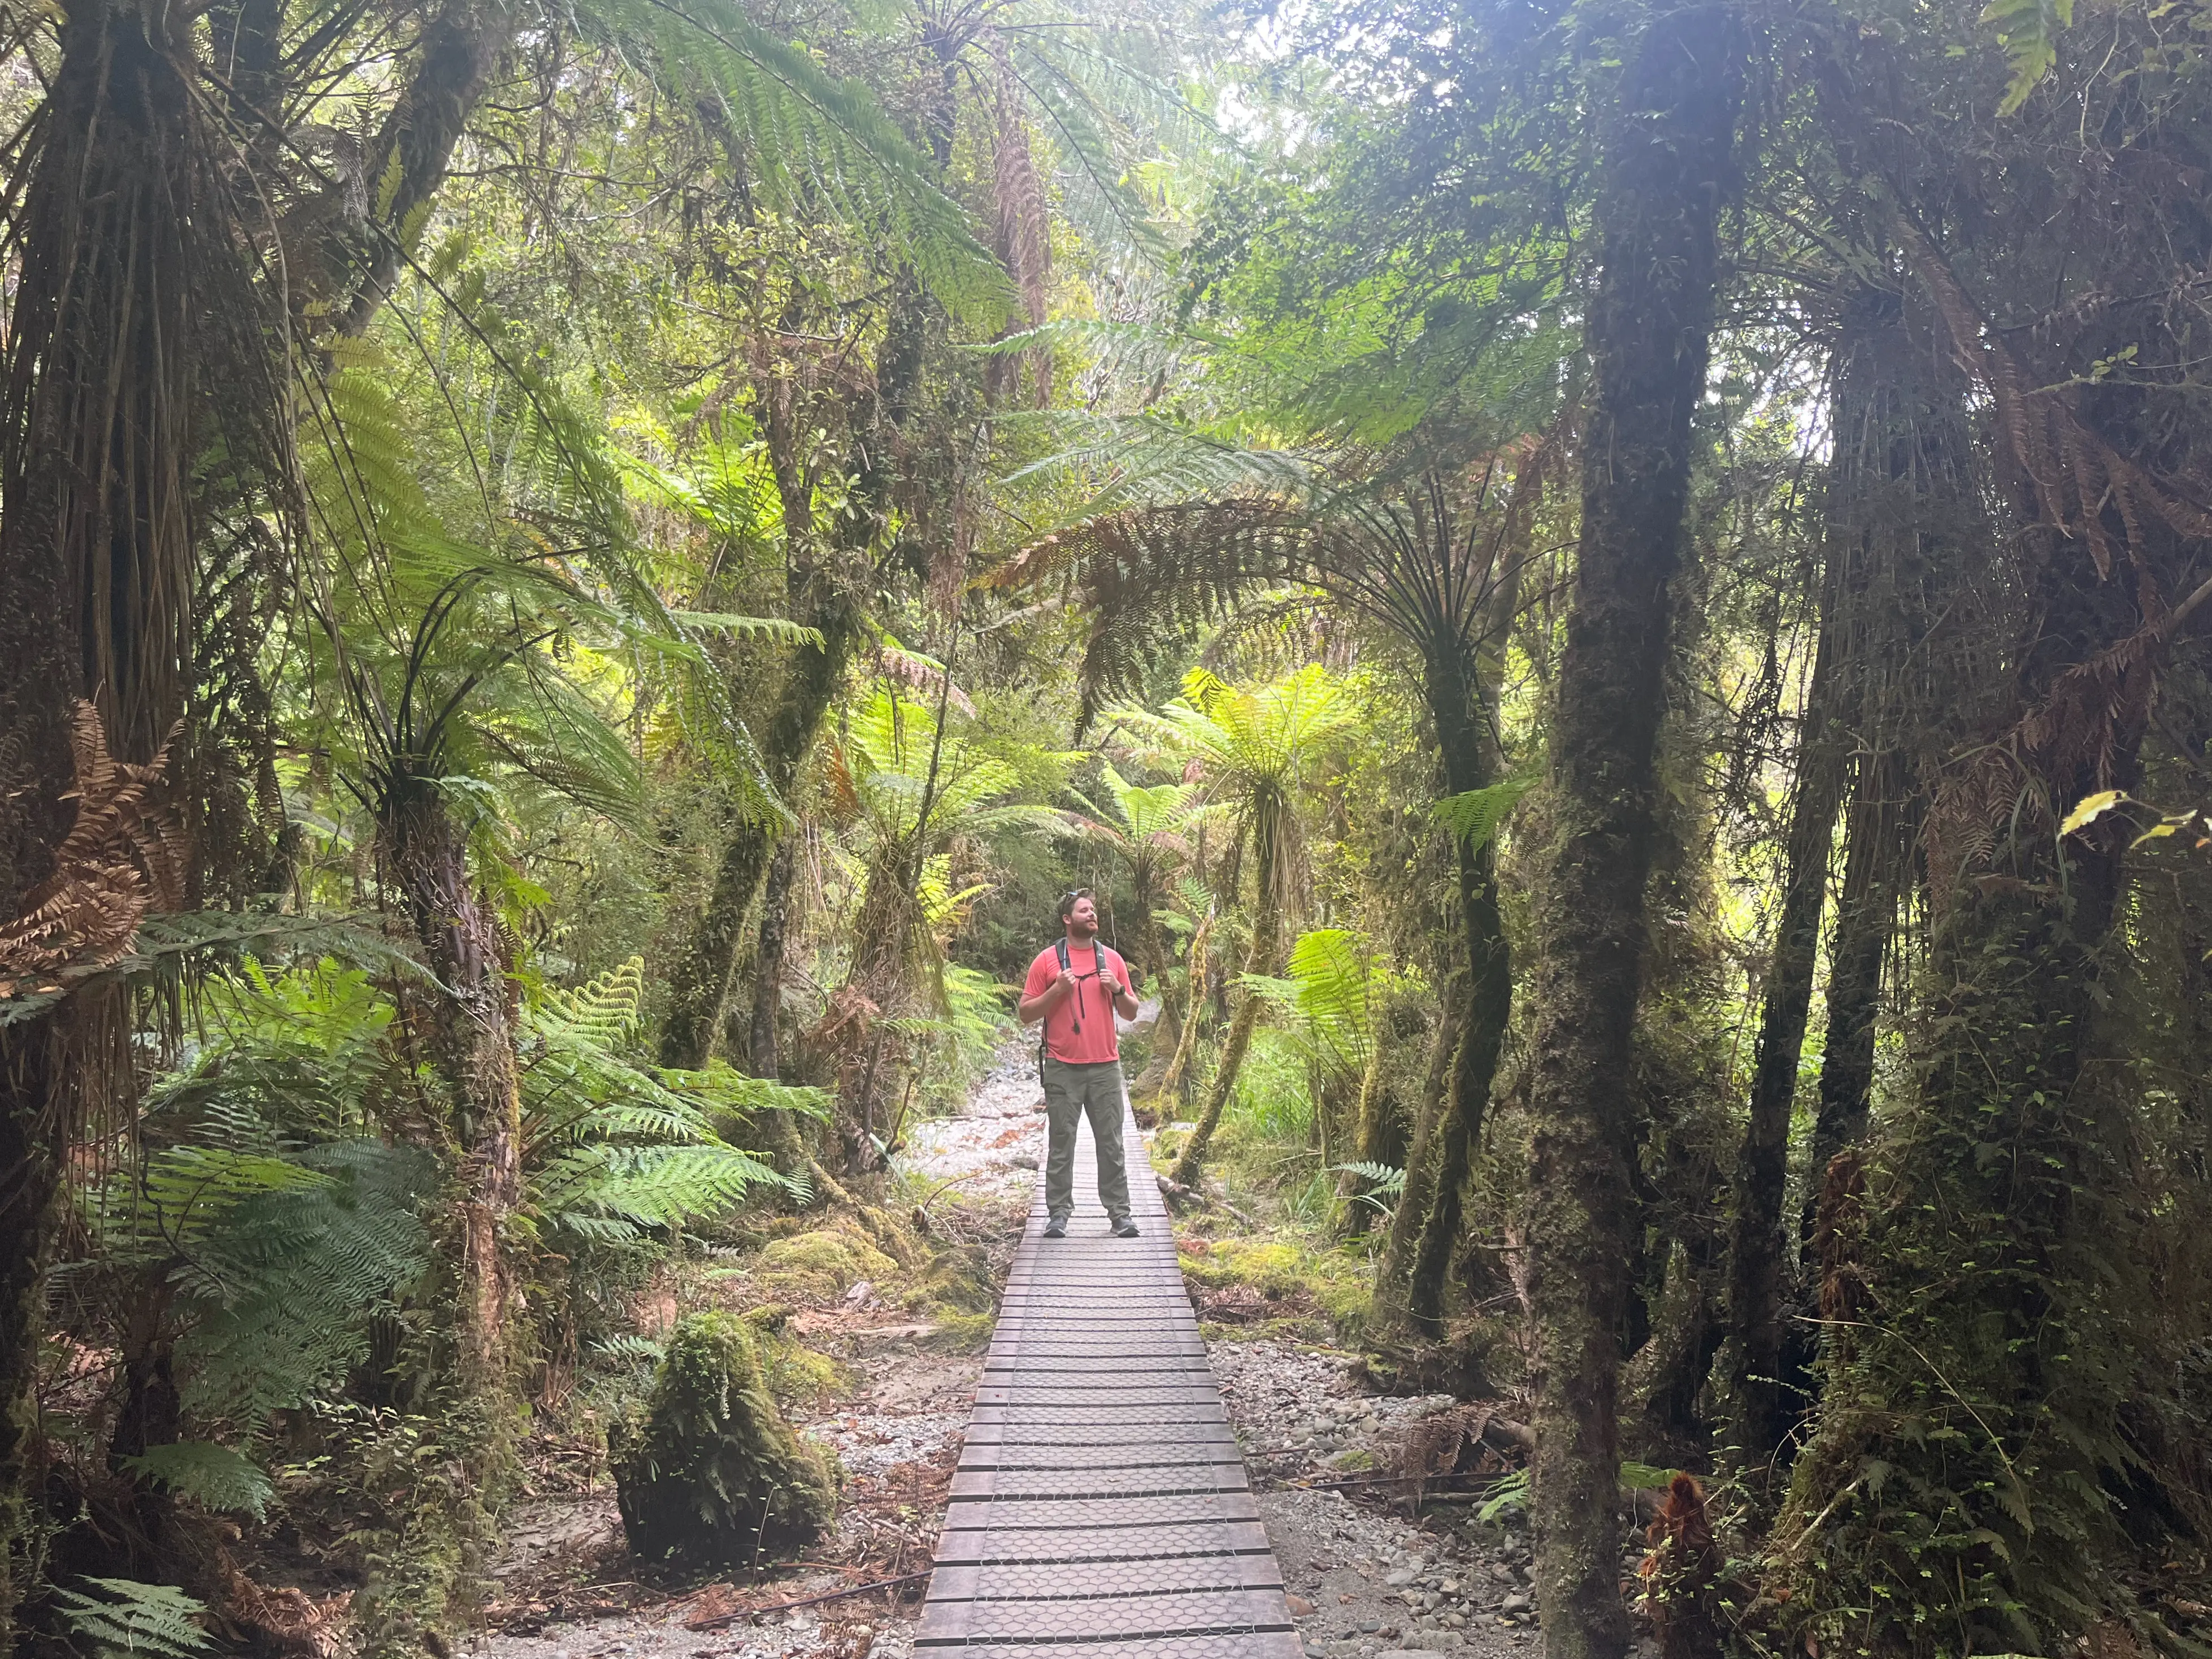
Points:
(1667, 170)
(821, 599)
(1267, 942)
(1490, 1010)
(1904, 522)
(1422, 1159)
(402, 171)
(1758, 1278)
(1865, 912)
(768, 960)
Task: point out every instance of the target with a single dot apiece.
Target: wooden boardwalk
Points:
(1100, 1508)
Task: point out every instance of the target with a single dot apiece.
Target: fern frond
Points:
(127, 1619)
(210, 1475)
(1473, 817)
(816, 141)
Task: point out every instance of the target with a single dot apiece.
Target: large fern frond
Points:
(815, 140)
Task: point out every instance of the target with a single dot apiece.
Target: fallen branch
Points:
(720, 1620)
(1176, 1193)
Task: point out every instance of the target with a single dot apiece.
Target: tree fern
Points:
(613, 1146)
(808, 134)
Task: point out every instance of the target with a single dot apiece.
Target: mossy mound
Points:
(958, 1279)
(1287, 1276)
(961, 1333)
(707, 1472)
(820, 1266)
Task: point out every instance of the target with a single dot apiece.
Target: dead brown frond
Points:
(918, 673)
(2074, 474)
(126, 854)
(1449, 1442)
(1021, 237)
(285, 1620)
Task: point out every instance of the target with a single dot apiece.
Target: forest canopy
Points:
(1607, 596)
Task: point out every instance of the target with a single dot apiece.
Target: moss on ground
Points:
(1332, 1283)
(819, 1266)
(961, 1333)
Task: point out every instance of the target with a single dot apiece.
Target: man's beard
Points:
(1081, 931)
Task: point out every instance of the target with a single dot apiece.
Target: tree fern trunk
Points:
(130, 296)
(1267, 937)
(1195, 973)
(1490, 1010)
(1757, 1273)
(1426, 1221)
(1667, 168)
(1352, 1216)
(471, 1036)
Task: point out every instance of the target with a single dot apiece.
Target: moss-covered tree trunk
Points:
(699, 986)
(403, 170)
(1266, 947)
(821, 598)
(761, 1037)
(1667, 166)
(1866, 911)
(1426, 1223)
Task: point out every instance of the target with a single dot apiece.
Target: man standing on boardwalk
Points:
(1076, 986)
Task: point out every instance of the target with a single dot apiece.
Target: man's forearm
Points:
(1030, 1010)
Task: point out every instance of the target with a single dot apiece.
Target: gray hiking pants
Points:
(1071, 1093)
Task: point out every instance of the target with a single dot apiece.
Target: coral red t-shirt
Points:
(1090, 1007)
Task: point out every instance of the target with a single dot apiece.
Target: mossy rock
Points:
(895, 1236)
(709, 1474)
(1274, 1270)
(820, 1266)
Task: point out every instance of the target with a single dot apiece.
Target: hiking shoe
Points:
(1125, 1228)
(1056, 1228)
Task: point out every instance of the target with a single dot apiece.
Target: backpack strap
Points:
(1060, 944)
